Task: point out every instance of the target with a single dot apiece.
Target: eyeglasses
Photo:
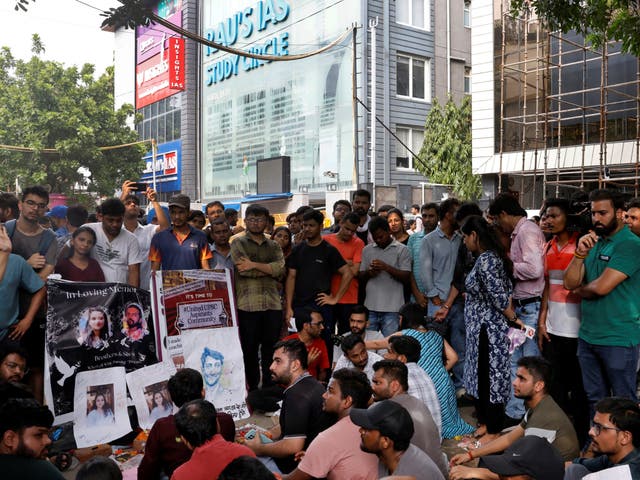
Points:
(255, 220)
(16, 366)
(597, 428)
(316, 324)
(32, 204)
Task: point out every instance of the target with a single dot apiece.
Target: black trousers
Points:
(566, 383)
(258, 330)
(489, 414)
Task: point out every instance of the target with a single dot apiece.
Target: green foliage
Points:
(44, 105)
(445, 156)
(598, 20)
(130, 14)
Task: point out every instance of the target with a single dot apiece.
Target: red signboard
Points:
(176, 63)
(156, 78)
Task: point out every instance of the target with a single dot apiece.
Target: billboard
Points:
(160, 57)
(168, 167)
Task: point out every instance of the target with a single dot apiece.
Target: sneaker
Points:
(461, 392)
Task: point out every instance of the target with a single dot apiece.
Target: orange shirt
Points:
(351, 252)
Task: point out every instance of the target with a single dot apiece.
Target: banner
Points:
(93, 326)
(196, 318)
(149, 392)
(100, 413)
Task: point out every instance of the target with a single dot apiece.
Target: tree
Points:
(445, 156)
(45, 106)
(598, 20)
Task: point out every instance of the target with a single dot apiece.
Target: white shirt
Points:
(115, 257)
(144, 234)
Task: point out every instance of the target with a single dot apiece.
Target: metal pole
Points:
(154, 154)
(373, 23)
(502, 50)
(525, 24)
(354, 104)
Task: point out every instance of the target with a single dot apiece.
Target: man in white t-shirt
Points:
(144, 233)
(116, 249)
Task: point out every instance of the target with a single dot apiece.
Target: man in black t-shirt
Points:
(311, 266)
(301, 417)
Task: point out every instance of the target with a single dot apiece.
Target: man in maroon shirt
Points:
(165, 451)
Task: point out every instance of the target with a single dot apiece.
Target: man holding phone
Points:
(143, 233)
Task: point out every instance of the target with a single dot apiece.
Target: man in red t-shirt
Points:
(350, 247)
(310, 324)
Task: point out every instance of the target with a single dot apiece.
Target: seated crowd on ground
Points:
(365, 338)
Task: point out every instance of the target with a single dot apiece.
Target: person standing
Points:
(311, 267)
(259, 266)
(143, 233)
(350, 247)
(429, 213)
(526, 253)
(180, 247)
(605, 272)
(361, 203)
(220, 232)
(386, 267)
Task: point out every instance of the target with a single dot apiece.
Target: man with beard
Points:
(13, 363)
(309, 326)
(615, 438)
(386, 429)
(361, 203)
(301, 414)
(355, 355)
(24, 439)
(605, 272)
(544, 418)
(138, 343)
(358, 323)
(632, 217)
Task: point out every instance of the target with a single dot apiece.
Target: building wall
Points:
(124, 77)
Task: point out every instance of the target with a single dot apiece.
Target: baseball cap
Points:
(529, 455)
(152, 213)
(59, 211)
(388, 417)
(180, 200)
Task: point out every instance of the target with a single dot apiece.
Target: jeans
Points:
(607, 370)
(529, 315)
(386, 322)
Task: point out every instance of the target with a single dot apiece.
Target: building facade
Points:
(233, 111)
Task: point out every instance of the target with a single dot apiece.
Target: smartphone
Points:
(139, 187)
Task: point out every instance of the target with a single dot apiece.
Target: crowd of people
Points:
(364, 338)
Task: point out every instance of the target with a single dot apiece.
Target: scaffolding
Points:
(557, 93)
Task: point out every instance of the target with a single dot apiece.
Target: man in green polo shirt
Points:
(605, 272)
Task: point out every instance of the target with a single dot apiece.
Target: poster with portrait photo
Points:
(216, 353)
(186, 300)
(149, 392)
(92, 326)
(100, 413)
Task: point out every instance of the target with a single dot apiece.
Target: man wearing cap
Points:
(58, 217)
(386, 429)
(143, 233)
(180, 247)
(530, 457)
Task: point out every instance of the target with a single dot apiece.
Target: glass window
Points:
(467, 14)
(414, 13)
(467, 81)
(412, 138)
(402, 76)
(413, 78)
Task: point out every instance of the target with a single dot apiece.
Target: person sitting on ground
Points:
(310, 324)
(529, 458)
(543, 418)
(164, 451)
(386, 429)
(355, 355)
(99, 468)
(301, 417)
(335, 453)
(407, 350)
(13, 363)
(246, 467)
(24, 441)
(615, 440)
(198, 429)
(391, 382)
